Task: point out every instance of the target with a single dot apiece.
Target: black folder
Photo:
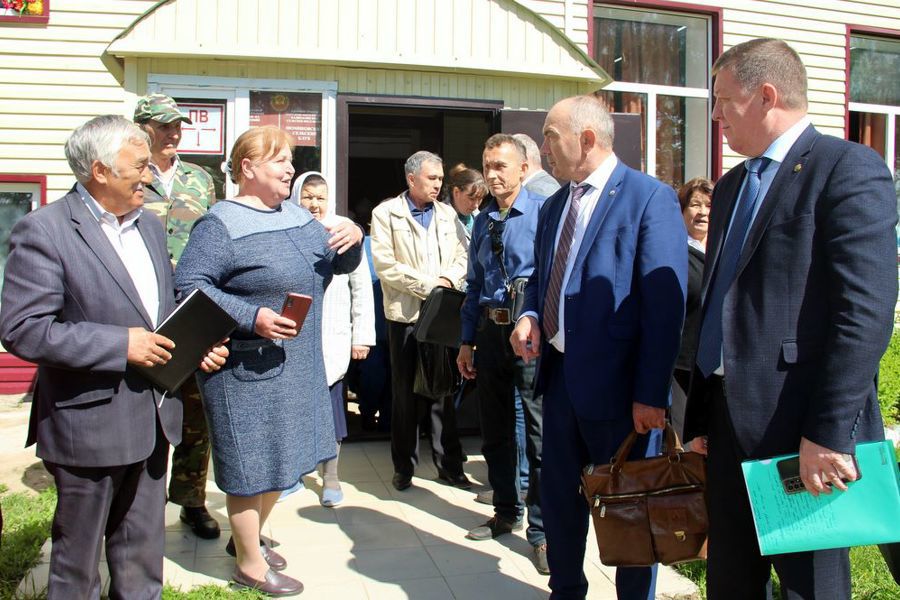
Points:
(195, 326)
(440, 321)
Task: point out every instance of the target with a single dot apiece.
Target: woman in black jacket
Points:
(695, 197)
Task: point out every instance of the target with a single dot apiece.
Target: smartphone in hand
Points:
(295, 308)
(789, 472)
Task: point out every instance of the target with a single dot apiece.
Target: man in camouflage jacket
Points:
(180, 194)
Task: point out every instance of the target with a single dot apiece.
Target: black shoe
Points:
(200, 522)
(275, 561)
(369, 423)
(460, 480)
(401, 481)
(495, 527)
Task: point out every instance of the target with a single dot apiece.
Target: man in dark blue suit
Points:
(603, 311)
(798, 301)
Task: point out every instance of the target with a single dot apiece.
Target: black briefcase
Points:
(439, 318)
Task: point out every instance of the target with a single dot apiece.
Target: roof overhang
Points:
(497, 37)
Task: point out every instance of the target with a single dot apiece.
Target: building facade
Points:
(361, 84)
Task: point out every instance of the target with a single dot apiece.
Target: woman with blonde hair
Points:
(269, 418)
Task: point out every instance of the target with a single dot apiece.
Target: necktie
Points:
(560, 258)
(709, 349)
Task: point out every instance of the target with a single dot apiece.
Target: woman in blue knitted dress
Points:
(269, 415)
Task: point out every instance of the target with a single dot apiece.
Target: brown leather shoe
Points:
(272, 558)
(275, 584)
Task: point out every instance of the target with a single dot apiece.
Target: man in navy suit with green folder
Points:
(798, 301)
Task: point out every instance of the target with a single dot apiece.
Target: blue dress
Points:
(268, 409)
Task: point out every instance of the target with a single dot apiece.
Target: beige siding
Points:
(55, 80)
(516, 93)
(569, 16)
(52, 80)
(817, 30)
(473, 36)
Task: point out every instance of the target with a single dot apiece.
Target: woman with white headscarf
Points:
(348, 323)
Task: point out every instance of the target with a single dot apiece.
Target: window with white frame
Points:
(659, 61)
(874, 101)
(225, 107)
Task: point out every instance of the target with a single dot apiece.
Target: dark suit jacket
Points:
(67, 304)
(811, 309)
(624, 302)
(691, 310)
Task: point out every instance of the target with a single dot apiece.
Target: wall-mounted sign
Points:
(206, 135)
(297, 113)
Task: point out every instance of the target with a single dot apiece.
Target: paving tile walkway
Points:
(381, 544)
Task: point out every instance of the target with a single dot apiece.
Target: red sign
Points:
(297, 113)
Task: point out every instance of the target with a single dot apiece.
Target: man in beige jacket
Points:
(417, 245)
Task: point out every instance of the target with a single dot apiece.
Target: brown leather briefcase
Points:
(651, 510)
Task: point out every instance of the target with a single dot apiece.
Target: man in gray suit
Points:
(86, 282)
(537, 181)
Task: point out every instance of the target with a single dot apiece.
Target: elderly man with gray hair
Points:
(418, 244)
(87, 281)
(537, 181)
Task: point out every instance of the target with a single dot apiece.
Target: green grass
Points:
(208, 592)
(26, 525)
(889, 382)
(871, 579)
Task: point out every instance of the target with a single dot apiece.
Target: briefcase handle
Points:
(673, 447)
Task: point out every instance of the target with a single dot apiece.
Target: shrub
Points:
(889, 382)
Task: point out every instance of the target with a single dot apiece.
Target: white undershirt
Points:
(129, 245)
(167, 179)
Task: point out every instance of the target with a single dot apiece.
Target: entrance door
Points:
(376, 134)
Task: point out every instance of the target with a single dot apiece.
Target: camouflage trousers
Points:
(190, 460)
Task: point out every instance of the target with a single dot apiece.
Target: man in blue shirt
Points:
(501, 251)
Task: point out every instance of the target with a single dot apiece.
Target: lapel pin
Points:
(798, 167)
(612, 192)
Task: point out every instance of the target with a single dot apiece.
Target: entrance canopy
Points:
(463, 36)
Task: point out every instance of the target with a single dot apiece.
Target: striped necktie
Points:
(560, 258)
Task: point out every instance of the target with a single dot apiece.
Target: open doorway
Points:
(377, 134)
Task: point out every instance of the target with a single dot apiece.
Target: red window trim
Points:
(9, 362)
(40, 19)
(858, 30)
(717, 48)
(19, 178)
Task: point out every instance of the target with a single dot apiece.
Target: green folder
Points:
(867, 513)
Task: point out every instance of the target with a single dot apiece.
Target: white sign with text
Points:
(206, 135)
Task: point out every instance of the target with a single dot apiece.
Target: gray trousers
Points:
(126, 504)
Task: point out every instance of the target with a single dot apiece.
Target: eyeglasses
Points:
(495, 230)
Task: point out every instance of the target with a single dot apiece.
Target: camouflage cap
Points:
(157, 107)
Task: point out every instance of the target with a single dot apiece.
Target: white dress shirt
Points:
(597, 180)
(129, 245)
